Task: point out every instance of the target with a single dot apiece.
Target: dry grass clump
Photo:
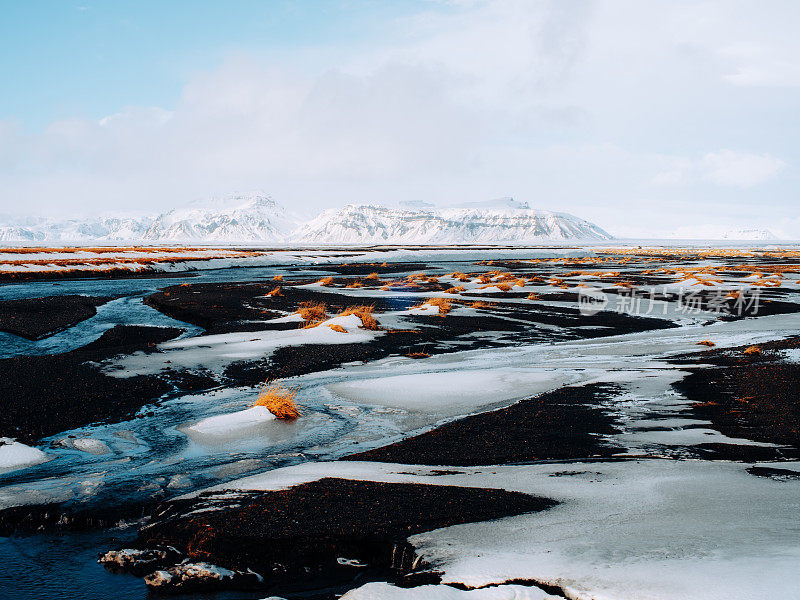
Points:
(532, 296)
(275, 292)
(312, 313)
(277, 278)
(418, 355)
(363, 312)
(752, 350)
(503, 287)
(327, 281)
(458, 275)
(355, 284)
(484, 279)
(279, 401)
(336, 327)
(372, 276)
(708, 343)
(480, 304)
(443, 304)
(454, 290)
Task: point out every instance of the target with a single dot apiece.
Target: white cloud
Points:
(723, 167)
(740, 169)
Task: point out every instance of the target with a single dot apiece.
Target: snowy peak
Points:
(237, 219)
(749, 234)
(357, 224)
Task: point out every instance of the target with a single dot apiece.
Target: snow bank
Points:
(215, 352)
(649, 529)
(384, 591)
(15, 455)
(450, 392)
(225, 425)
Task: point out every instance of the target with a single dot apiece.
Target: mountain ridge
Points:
(259, 218)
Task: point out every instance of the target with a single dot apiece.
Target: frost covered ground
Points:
(671, 509)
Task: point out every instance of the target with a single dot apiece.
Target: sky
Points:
(651, 119)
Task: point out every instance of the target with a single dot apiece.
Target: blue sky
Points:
(64, 59)
(667, 117)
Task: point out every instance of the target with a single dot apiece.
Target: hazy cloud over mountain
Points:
(627, 113)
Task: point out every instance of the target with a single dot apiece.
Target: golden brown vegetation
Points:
(443, 304)
(312, 313)
(279, 400)
(363, 312)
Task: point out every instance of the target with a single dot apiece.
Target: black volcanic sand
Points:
(303, 530)
(110, 274)
(43, 395)
(216, 307)
(437, 335)
(749, 395)
(37, 318)
(230, 307)
(562, 424)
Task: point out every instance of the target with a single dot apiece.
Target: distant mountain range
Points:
(258, 218)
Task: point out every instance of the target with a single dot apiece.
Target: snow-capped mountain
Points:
(512, 222)
(100, 229)
(717, 232)
(749, 234)
(258, 218)
(236, 219)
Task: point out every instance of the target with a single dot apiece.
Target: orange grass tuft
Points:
(443, 304)
(279, 401)
(418, 355)
(337, 327)
(752, 350)
(532, 296)
(458, 275)
(313, 312)
(275, 292)
(454, 290)
(373, 276)
(480, 304)
(363, 312)
(708, 343)
(327, 281)
(355, 284)
(277, 278)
